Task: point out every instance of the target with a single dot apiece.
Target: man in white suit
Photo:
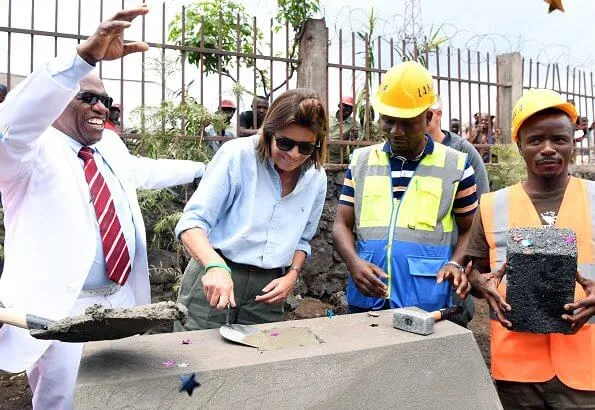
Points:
(74, 231)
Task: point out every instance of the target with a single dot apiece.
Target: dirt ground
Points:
(15, 393)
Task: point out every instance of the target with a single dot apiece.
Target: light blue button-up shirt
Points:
(239, 205)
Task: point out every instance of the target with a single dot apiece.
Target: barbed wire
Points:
(392, 27)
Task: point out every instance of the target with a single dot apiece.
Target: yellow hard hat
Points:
(535, 100)
(406, 91)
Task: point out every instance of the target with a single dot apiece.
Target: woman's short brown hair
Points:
(300, 106)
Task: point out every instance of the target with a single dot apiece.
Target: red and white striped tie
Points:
(115, 250)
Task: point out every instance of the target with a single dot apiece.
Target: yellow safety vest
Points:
(409, 239)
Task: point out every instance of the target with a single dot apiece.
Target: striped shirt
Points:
(402, 171)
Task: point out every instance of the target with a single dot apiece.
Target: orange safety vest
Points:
(528, 357)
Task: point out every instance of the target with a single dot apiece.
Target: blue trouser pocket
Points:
(424, 292)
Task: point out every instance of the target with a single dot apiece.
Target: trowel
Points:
(98, 322)
(239, 333)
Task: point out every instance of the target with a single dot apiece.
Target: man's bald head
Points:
(91, 80)
(433, 127)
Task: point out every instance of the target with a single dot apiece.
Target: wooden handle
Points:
(13, 317)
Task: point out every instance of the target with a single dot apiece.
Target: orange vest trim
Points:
(527, 357)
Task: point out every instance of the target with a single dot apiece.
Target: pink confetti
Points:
(570, 239)
(187, 342)
(274, 333)
(517, 237)
(169, 363)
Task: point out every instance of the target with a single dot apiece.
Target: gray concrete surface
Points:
(358, 366)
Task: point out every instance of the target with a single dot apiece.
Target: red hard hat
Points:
(347, 101)
(227, 104)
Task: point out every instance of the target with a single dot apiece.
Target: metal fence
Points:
(161, 74)
(467, 81)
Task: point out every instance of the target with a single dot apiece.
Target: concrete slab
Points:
(358, 366)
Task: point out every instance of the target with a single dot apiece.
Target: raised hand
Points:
(107, 43)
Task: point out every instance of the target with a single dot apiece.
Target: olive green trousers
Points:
(248, 282)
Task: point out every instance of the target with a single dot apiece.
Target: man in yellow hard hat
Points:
(539, 370)
(402, 199)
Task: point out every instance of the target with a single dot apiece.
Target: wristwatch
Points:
(456, 264)
(298, 270)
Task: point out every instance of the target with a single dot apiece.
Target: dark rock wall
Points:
(324, 273)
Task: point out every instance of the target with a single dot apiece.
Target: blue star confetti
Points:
(330, 313)
(189, 383)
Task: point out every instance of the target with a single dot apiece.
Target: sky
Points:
(496, 25)
(488, 26)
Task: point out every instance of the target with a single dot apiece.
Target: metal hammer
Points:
(416, 320)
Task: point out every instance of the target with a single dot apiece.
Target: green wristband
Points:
(221, 265)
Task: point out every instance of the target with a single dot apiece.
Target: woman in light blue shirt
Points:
(249, 223)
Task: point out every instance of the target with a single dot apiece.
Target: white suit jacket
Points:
(50, 229)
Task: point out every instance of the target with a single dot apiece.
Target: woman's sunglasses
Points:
(91, 98)
(287, 144)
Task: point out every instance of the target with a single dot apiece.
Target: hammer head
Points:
(414, 320)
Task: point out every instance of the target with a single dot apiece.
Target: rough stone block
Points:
(541, 277)
(413, 319)
(363, 363)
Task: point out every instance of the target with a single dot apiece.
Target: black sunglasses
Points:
(287, 144)
(91, 98)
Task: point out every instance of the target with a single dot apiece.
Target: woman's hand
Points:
(218, 288)
(278, 290)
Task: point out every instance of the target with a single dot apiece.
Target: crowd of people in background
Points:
(482, 133)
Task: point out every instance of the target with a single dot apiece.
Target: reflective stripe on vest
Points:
(525, 357)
